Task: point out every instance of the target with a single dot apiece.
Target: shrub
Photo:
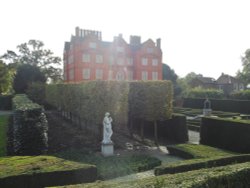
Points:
(226, 134)
(43, 171)
(5, 102)
(241, 95)
(36, 92)
(29, 127)
(205, 93)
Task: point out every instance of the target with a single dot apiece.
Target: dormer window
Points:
(120, 49)
(144, 61)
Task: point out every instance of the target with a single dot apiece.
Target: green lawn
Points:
(3, 134)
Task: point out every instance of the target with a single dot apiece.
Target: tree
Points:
(169, 74)
(244, 75)
(27, 74)
(34, 54)
(6, 77)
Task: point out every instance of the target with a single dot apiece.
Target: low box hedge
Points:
(236, 175)
(226, 134)
(41, 171)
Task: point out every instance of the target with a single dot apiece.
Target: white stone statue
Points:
(107, 129)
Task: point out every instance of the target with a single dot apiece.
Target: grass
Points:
(236, 175)
(112, 166)
(20, 165)
(3, 134)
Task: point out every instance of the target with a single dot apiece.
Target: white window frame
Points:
(130, 61)
(85, 58)
(99, 74)
(92, 45)
(86, 74)
(120, 61)
(144, 61)
(155, 62)
(155, 76)
(99, 59)
(144, 75)
(120, 49)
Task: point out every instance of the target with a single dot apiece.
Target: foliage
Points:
(3, 134)
(112, 166)
(29, 127)
(43, 171)
(5, 102)
(226, 134)
(151, 100)
(90, 100)
(205, 93)
(36, 92)
(34, 54)
(6, 78)
(244, 75)
(27, 74)
(241, 95)
(236, 175)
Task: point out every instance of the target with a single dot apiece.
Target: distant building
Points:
(87, 57)
(203, 82)
(229, 84)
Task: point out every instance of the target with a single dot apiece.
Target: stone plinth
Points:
(107, 149)
(207, 112)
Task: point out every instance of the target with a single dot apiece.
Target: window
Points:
(120, 76)
(98, 74)
(144, 61)
(120, 49)
(85, 58)
(110, 75)
(98, 59)
(155, 62)
(92, 45)
(111, 60)
(120, 61)
(130, 75)
(150, 50)
(144, 75)
(86, 74)
(154, 75)
(130, 61)
(71, 59)
(71, 74)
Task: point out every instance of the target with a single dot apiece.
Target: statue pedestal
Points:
(207, 112)
(107, 149)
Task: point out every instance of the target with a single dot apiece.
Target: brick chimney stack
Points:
(158, 43)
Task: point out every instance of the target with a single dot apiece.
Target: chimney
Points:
(158, 43)
(135, 40)
(77, 31)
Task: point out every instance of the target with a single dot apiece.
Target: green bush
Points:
(5, 102)
(205, 93)
(236, 175)
(240, 106)
(36, 92)
(43, 171)
(241, 95)
(29, 127)
(226, 134)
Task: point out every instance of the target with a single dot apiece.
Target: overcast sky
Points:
(201, 36)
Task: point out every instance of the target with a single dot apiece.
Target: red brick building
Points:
(87, 57)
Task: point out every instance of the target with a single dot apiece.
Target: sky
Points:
(207, 37)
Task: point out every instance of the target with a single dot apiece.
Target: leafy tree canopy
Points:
(6, 77)
(34, 54)
(244, 75)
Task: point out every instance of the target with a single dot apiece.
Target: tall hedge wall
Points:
(226, 134)
(5, 102)
(29, 129)
(89, 101)
(240, 106)
(151, 100)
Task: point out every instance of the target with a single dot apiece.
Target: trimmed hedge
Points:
(200, 163)
(5, 102)
(87, 103)
(236, 175)
(226, 134)
(240, 106)
(204, 93)
(241, 95)
(41, 171)
(29, 129)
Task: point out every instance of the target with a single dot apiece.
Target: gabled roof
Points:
(227, 79)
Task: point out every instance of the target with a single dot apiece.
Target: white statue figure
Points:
(107, 129)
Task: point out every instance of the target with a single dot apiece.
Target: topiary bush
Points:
(29, 127)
